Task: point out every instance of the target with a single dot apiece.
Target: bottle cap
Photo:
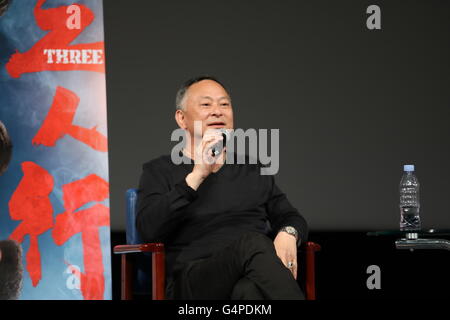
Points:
(408, 167)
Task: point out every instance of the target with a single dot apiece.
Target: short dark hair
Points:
(11, 270)
(182, 91)
(4, 4)
(5, 148)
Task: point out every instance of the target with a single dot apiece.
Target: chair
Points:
(135, 269)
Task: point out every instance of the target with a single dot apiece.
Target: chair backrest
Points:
(131, 202)
(142, 278)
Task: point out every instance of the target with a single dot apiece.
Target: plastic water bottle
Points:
(409, 200)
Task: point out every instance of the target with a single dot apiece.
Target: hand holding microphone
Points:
(209, 157)
(210, 150)
(219, 146)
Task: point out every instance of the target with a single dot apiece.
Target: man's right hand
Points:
(205, 163)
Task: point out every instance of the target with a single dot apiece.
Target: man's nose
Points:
(216, 110)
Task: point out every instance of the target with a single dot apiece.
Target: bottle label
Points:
(408, 196)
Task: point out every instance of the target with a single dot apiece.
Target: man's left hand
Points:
(286, 248)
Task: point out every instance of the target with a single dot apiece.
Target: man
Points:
(5, 148)
(213, 217)
(10, 251)
(4, 4)
(10, 270)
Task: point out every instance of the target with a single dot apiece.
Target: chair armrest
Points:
(135, 248)
(158, 268)
(312, 246)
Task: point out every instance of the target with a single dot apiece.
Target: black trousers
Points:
(249, 268)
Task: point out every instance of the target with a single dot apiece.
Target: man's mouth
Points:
(216, 124)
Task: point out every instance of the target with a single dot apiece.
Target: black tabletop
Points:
(421, 233)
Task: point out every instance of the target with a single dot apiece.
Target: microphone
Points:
(218, 147)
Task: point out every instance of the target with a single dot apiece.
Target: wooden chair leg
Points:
(158, 276)
(126, 278)
(311, 249)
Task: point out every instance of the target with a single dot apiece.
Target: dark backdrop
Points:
(352, 105)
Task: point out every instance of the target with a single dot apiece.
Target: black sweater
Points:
(193, 224)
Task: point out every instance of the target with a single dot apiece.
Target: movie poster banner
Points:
(54, 184)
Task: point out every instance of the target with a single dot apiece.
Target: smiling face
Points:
(206, 101)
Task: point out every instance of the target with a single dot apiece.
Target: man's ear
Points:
(179, 118)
